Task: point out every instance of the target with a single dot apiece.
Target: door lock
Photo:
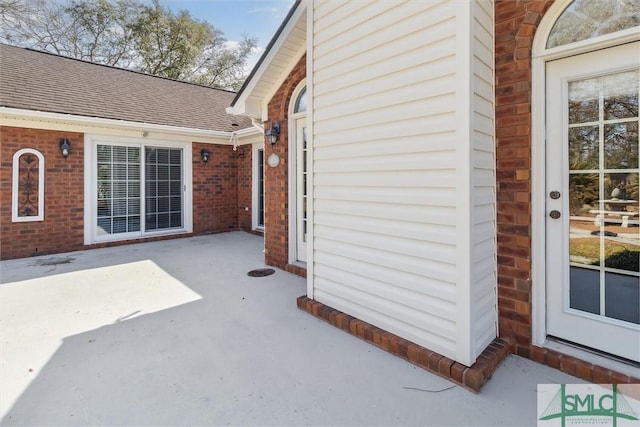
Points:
(554, 195)
(554, 214)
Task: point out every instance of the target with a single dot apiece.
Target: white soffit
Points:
(272, 69)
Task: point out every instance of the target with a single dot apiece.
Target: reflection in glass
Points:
(584, 290)
(583, 193)
(301, 102)
(604, 237)
(584, 19)
(622, 296)
(584, 100)
(620, 191)
(621, 95)
(621, 145)
(583, 147)
(622, 254)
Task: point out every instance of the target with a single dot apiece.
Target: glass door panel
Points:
(604, 246)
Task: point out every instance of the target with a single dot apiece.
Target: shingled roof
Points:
(40, 81)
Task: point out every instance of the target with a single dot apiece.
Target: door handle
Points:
(554, 214)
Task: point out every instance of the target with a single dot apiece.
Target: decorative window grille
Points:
(28, 186)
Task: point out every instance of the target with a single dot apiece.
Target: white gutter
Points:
(257, 125)
(7, 115)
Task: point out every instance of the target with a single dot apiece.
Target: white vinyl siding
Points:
(386, 178)
(483, 252)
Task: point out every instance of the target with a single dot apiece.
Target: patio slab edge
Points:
(471, 378)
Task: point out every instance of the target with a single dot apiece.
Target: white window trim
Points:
(255, 179)
(90, 197)
(15, 186)
(540, 55)
(292, 158)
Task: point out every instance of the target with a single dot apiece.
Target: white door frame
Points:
(292, 174)
(255, 190)
(540, 55)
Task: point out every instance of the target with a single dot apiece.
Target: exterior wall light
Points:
(205, 155)
(273, 133)
(65, 147)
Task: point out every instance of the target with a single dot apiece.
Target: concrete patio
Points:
(176, 333)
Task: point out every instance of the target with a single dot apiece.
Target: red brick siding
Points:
(516, 23)
(245, 191)
(276, 179)
(215, 189)
(62, 228)
(471, 378)
(215, 194)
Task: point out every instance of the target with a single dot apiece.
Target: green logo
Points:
(588, 404)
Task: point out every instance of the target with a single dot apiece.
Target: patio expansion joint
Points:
(471, 378)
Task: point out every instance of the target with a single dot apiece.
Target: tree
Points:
(180, 47)
(225, 67)
(129, 34)
(103, 30)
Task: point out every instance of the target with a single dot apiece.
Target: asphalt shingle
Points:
(40, 81)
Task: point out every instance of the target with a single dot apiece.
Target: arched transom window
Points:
(585, 19)
(301, 102)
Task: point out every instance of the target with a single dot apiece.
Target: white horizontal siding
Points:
(384, 166)
(483, 229)
(390, 320)
(430, 271)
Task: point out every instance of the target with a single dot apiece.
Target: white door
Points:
(592, 234)
(301, 189)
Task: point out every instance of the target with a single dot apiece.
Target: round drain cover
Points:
(261, 272)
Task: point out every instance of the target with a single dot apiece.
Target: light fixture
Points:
(273, 133)
(65, 147)
(205, 155)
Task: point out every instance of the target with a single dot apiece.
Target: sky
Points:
(235, 18)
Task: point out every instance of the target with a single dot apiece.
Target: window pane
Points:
(261, 187)
(584, 148)
(118, 189)
(621, 145)
(584, 290)
(301, 102)
(584, 101)
(164, 188)
(621, 95)
(584, 19)
(622, 294)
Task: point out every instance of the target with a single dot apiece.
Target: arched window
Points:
(301, 102)
(28, 186)
(585, 19)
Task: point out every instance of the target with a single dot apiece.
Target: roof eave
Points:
(246, 102)
(21, 117)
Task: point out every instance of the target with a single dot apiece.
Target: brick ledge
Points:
(472, 378)
(578, 368)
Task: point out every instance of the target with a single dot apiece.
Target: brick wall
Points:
(245, 191)
(215, 189)
(62, 228)
(516, 23)
(276, 179)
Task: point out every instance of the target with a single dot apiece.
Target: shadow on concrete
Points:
(243, 354)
